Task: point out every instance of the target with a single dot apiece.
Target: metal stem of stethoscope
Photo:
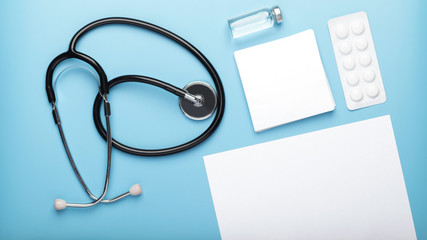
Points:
(61, 204)
(193, 99)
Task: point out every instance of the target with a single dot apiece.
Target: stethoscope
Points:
(197, 100)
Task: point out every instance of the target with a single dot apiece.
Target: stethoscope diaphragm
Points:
(207, 101)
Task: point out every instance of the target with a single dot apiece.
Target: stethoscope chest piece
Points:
(206, 101)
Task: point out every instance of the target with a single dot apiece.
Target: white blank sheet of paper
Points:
(284, 80)
(344, 182)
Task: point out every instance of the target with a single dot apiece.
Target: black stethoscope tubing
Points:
(105, 86)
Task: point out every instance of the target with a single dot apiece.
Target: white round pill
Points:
(341, 31)
(361, 44)
(352, 78)
(356, 94)
(372, 91)
(348, 63)
(345, 47)
(357, 27)
(369, 75)
(365, 59)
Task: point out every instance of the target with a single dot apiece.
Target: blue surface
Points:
(176, 201)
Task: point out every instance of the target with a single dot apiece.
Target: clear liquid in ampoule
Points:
(254, 21)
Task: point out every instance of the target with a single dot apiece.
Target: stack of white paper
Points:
(284, 80)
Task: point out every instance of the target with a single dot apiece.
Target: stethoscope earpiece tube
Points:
(104, 90)
(61, 204)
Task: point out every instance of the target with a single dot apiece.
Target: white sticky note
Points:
(344, 182)
(284, 81)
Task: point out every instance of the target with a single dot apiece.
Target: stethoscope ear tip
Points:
(60, 204)
(135, 190)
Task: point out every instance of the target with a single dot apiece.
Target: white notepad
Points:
(284, 81)
(344, 182)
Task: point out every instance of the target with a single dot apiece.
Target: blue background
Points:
(176, 201)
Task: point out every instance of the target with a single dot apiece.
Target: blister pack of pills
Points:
(357, 60)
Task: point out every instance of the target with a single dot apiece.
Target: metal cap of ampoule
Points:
(277, 14)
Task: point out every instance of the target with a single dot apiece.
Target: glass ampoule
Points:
(255, 21)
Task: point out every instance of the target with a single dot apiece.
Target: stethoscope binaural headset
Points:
(197, 101)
